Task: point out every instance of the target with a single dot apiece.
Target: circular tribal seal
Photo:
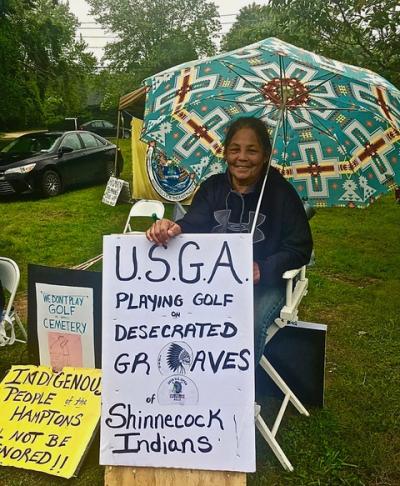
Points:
(168, 177)
(175, 358)
(177, 390)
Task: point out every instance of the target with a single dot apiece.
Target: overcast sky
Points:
(94, 37)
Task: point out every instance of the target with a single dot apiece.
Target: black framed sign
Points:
(64, 317)
(297, 352)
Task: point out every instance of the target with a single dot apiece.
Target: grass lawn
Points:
(354, 289)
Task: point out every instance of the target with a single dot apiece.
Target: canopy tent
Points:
(141, 187)
(133, 100)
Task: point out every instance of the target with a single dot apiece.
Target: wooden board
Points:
(149, 476)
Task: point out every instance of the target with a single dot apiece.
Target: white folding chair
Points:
(178, 211)
(144, 208)
(9, 276)
(296, 289)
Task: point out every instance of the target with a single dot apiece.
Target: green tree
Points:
(156, 34)
(360, 32)
(20, 96)
(253, 23)
(44, 69)
(110, 86)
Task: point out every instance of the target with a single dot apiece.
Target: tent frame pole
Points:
(117, 144)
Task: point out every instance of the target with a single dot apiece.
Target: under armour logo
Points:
(225, 226)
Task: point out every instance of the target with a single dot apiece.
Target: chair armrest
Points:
(292, 273)
(294, 293)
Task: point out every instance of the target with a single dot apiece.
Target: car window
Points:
(71, 140)
(22, 145)
(96, 124)
(89, 141)
(101, 141)
(108, 124)
(46, 142)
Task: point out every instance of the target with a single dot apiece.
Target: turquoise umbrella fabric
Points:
(335, 127)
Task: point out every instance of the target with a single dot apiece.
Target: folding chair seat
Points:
(144, 208)
(9, 277)
(296, 289)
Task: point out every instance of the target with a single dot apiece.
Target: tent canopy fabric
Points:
(141, 186)
(130, 100)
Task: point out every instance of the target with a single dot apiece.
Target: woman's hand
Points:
(162, 230)
(256, 273)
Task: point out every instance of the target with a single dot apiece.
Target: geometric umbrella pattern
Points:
(335, 127)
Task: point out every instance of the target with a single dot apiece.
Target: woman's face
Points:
(245, 157)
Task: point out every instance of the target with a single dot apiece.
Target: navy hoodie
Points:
(282, 239)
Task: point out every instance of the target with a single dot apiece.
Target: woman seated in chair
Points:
(226, 203)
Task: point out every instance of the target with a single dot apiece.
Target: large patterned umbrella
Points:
(335, 127)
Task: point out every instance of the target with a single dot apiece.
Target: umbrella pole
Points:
(267, 172)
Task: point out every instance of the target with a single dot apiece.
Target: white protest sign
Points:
(65, 325)
(178, 364)
(112, 191)
(116, 189)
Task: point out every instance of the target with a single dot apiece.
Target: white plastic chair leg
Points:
(289, 395)
(288, 314)
(269, 437)
(22, 329)
(4, 339)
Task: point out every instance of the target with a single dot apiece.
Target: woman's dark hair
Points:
(257, 125)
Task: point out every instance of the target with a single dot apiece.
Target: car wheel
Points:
(51, 184)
